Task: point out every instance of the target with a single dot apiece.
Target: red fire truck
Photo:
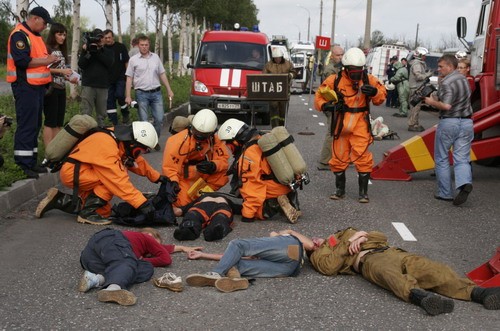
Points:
(219, 72)
(417, 154)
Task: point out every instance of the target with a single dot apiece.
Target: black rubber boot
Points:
(363, 179)
(217, 229)
(489, 297)
(89, 214)
(188, 230)
(432, 303)
(55, 199)
(339, 185)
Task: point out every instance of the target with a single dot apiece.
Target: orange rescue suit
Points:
(352, 144)
(183, 152)
(103, 172)
(252, 166)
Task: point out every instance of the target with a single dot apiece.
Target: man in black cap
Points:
(95, 62)
(28, 72)
(392, 95)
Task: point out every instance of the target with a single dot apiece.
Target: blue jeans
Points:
(457, 133)
(271, 257)
(153, 101)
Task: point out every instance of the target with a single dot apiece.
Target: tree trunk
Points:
(132, 19)
(109, 14)
(75, 45)
(182, 42)
(118, 21)
(22, 10)
(169, 41)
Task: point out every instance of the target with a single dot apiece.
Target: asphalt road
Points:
(40, 268)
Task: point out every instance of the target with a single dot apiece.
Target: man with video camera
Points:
(455, 129)
(95, 63)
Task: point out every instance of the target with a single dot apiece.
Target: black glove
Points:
(247, 220)
(206, 167)
(148, 209)
(176, 187)
(163, 180)
(369, 90)
(329, 106)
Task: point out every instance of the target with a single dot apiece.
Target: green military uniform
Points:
(391, 268)
(400, 79)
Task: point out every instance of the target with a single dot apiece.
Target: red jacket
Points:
(148, 249)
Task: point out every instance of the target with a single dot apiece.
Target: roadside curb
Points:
(26, 189)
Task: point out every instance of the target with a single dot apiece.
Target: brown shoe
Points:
(121, 297)
(290, 212)
(206, 279)
(169, 281)
(226, 284)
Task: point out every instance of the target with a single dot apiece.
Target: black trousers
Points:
(110, 254)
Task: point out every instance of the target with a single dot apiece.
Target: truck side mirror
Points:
(461, 27)
(462, 31)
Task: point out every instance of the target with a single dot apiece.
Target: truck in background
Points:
(300, 54)
(379, 57)
(220, 68)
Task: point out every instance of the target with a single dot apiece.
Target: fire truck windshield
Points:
(231, 55)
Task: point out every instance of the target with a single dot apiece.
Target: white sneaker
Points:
(88, 281)
(206, 279)
(169, 281)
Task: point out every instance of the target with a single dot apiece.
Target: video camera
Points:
(423, 91)
(7, 120)
(92, 41)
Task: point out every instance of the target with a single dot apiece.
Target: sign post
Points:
(267, 87)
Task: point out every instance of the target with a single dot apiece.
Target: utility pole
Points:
(320, 17)
(416, 37)
(333, 19)
(368, 24)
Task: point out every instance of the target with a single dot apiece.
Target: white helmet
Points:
(205, 121)
(354, 57)
(420, 51)
(230, 129)
(277, 52)
(145, 133)
(461, 55)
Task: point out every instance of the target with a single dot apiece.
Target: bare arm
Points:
(197, 255)
(307, 242)
(128, 87)
(164, 80)
(187, 249)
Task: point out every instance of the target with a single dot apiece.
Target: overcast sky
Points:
(395, 18)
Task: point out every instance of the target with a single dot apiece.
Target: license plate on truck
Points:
(229, 106)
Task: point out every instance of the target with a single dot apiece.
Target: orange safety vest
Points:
(37, 75)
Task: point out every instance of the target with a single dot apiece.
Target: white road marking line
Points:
(404, 232)
(310, 109)
(315, 115)
(321, 124)
(305, 103)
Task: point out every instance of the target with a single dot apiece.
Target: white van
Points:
(379, 57)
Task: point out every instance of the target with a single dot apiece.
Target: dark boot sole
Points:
(40, 209)
(435, 305)
(228, 285)
(462, 195)
(492, 302)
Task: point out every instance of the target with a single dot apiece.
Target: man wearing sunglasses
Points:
(97, 169)
(196, 153)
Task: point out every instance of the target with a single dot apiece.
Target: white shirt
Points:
(145, 71)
